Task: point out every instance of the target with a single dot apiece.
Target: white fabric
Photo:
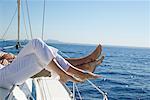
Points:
(64, 64)
(32, 59)
(3, 93)
(1, 66)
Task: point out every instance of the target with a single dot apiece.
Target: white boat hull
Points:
(44, 88)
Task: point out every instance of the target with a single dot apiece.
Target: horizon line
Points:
(92, 44)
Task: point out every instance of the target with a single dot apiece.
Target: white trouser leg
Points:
(43, 52)
(19, 71)
(32, 59)
(62, 62)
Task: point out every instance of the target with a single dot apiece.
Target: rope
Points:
(43, 21)
(2, 37)
(29, 18)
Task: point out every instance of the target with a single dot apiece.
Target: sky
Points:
(108, 22)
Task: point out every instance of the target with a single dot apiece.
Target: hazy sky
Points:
(109, 22)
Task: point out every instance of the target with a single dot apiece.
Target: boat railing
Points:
(75, 88)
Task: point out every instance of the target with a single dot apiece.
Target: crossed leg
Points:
(72, 74)
(46, 56)
(91, 66)
(88, 63)
(87, 59)
(64, 76)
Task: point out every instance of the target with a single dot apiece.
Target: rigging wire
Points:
(43, 21)
(74, 91)
(75, 86)
(78, 92)
(25, 28)
(98, 89)
(2, 37)
(29, 19)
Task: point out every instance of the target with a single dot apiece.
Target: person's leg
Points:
(73, 70)
(91, 66)
(64, 76)
(46, 54)
(40, 49)
(34, 57)
(19, 70)
(81, 73)
(89, 58)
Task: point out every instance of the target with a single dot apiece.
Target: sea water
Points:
(125, 71)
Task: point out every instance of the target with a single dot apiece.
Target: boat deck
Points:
(44, 89)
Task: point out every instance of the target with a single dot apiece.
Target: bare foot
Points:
(93, 76)
(88, 75)
(91, 66)
(65, 78)
(91, 57)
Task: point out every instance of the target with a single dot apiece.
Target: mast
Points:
(18, 37)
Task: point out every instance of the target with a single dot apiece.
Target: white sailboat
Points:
(43, 88)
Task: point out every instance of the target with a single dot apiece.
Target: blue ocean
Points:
(125, 71)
